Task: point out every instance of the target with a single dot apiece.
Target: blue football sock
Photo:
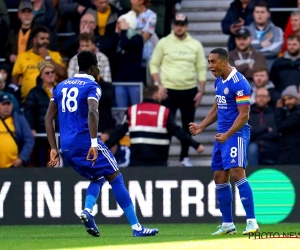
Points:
(246, 197)
(224, 198)
(123, 199)
(92, 193)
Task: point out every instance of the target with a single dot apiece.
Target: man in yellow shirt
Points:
(181, 61)
(16, 140)
(26, 63)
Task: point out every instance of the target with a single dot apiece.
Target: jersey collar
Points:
(85, 76)
(232, 73)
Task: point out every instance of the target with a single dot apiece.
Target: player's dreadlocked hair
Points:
(222, 53)
(86, 60)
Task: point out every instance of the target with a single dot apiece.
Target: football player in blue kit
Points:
(75, 101)
(231, 111)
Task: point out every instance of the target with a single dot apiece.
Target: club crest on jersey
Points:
(240, 93)
(226, 91)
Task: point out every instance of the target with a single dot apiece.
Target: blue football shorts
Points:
(104, 165)
(230, 154)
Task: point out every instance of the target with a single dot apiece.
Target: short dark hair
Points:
(39, 29)
(293, 36)
(260, 69)
(222, 53)
(262, 4)
(149, 91)
(87, 37)
(86, 60)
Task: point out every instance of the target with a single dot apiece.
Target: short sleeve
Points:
(94, 93)
(54, 97)
(150, 24)
(242, 91)
(17, 69)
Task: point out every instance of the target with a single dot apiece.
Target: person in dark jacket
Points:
(263, 146)
(107, 122)
(238, 15)
(285, 70)
(72, 11)
(19, 40)
(106, 26)
(46, 15)
(288, 124)
(35, 108)
(149, 131)
(16, 141)
(128, 64)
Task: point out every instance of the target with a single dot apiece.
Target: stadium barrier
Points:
(161, 195)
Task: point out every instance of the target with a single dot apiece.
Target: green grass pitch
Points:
(171, 236)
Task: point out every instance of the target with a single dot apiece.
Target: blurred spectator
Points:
(106, 16)
(87, 25)
(261, 80)
(238, 15)
(288, 124)
(16, 141)
(46, 15)
(19, 40)
(3, 12)
(87, 42)
(263, 146)
(267, 38)
(72, 10)
(280, 18)
(182, 63)
(26, 63)
(292, 27)
(150, 132)
(107, 122)
(163, 10)
(128, 61)
(4, 29)
(178, 5)
(115, 3)
(285, 70)
(146, 22)
(11, 96)
(8, 86)
(35, 108)
(244, 57)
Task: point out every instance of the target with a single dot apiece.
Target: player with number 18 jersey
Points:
(71, 98)
(230, 94)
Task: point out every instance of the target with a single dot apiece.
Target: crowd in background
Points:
(126, 37)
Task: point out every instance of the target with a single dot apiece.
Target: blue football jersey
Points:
(230, 94)
(71, 97)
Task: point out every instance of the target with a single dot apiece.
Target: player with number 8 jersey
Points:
(231, 111)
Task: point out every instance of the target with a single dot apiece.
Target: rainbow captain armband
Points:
(94, 143)
(243, 100)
